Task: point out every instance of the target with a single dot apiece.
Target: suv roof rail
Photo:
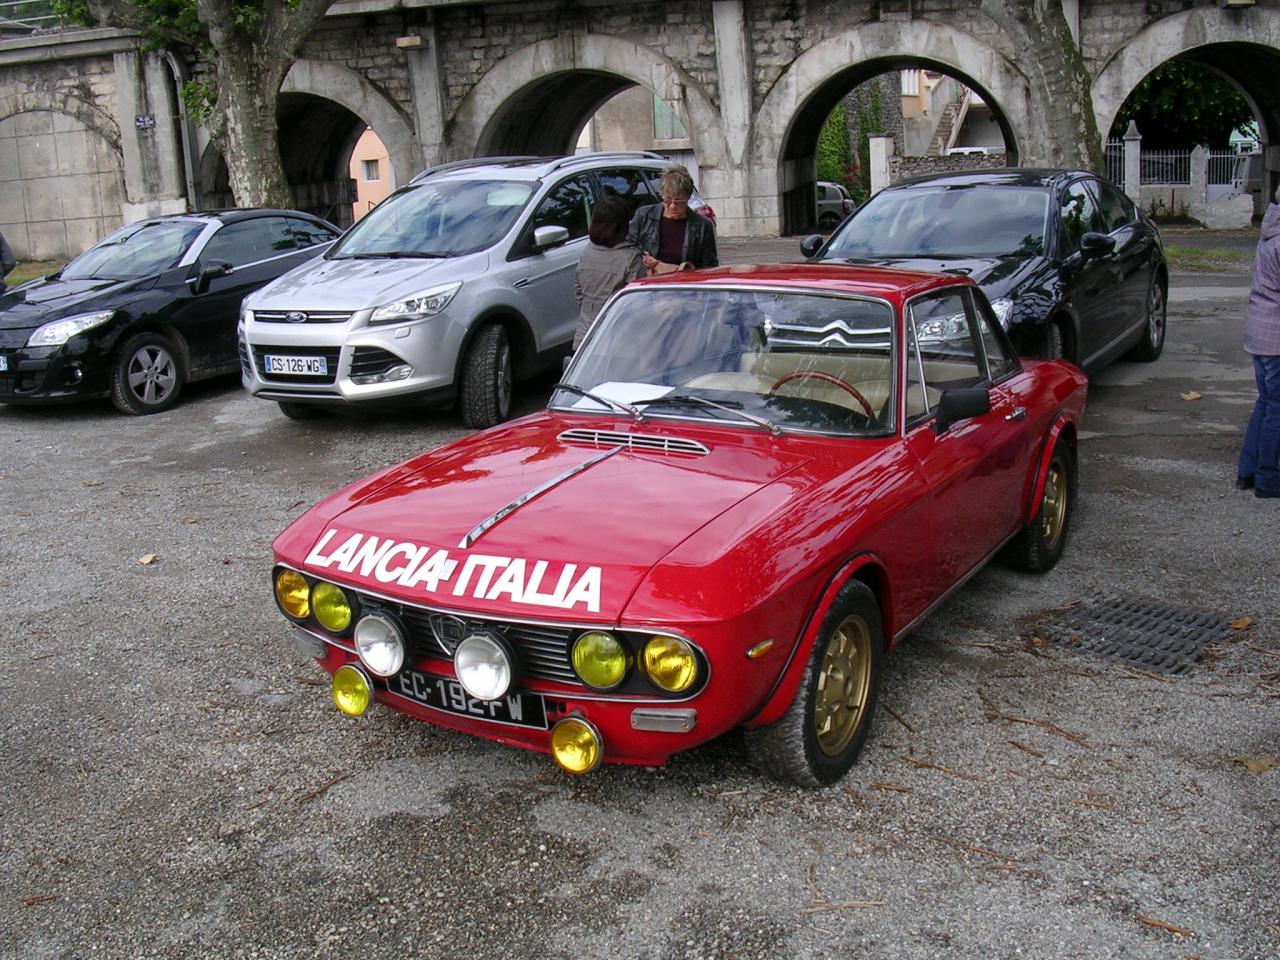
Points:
(471, 162)
(606, 155)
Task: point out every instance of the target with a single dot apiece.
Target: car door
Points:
(1092, 283)
(1133, 261)
(974, 468)
(259, 250)
(548, 274)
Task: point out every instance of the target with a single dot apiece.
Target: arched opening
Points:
(939, 119)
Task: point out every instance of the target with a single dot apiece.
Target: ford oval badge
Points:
(296, 316)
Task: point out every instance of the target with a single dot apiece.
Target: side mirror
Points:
(212, 271)
(960, 404)
(546, 237)
(810, 245)
(1096, 244)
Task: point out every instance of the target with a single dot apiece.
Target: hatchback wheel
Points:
(487, 378)
(146, 375)
(1151, 345)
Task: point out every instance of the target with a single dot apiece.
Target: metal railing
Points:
(27, 16)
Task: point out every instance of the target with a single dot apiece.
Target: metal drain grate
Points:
(1160, 637)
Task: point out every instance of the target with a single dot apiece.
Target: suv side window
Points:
(631, 185)
(250, 241)
(567, 205)
(1079, 216)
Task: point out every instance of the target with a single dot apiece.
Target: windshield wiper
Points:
(618, 405)
(769, 425)
(394, 255)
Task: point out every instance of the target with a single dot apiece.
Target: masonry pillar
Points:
(1133, 163)
(730, 182)
(422, 56)
(153, 180)
(881, 149)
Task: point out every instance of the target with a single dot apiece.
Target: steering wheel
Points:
(827, 378)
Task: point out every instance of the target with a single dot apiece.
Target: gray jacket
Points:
(601, 271)
(1262, 321)
(7, 261)
(699, 235)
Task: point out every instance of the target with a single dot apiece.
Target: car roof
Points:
(535, 168)
(1001, 176)
(236, 214)
(887, 283)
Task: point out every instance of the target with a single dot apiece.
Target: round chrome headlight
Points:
(485, 665)
(380, 644)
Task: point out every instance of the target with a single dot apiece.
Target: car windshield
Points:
(447, 218)
(758, 358)
(980, 220)
(138, 250)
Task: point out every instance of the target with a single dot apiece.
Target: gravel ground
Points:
(175, 782)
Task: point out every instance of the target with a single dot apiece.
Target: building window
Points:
(666, 122)
(371, 171)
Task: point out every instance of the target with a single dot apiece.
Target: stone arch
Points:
(50, 101)
(566, 79)
(793, 110)
(1241, 44)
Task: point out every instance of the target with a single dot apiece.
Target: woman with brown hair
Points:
(608, 263)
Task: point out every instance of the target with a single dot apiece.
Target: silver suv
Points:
(451, 289)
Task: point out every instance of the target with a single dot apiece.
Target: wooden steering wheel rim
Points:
(828, 378)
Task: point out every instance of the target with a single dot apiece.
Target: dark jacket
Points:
(7, 261)
(1262, 321)
(699, 235)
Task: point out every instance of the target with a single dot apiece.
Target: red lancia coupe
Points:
(751, 483)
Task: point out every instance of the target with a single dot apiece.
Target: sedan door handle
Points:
(1019, 413)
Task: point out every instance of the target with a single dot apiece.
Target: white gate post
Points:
(1133, 163)
(881, 148)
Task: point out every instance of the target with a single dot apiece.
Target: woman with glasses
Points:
(670, 235)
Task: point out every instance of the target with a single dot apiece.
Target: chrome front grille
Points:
(302, 316)
(652, 443)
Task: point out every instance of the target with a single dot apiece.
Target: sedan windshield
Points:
(756, 358)
(981, 220)
(138, 250)
(447, 218)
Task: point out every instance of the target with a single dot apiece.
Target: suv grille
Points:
(308, 316)
(330, 355)
(633, 441)
(371, 361)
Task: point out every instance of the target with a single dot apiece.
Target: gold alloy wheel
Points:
(1053, 508)
(844, 681)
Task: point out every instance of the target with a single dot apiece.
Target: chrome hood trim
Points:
(633, 441)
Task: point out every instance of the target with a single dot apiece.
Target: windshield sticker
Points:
(539, 583)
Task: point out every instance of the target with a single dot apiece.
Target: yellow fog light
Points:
(600, 660)
(292, 594)
(330, 605)
(576, 745)
(670, 663)
(352, 692)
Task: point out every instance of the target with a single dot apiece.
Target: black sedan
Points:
(148, 309)
(1072, 268)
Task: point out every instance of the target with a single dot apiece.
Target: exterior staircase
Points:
(952, 119)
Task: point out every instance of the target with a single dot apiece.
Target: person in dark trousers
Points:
(7, 262)
(669, 234)
(608, 263)
(1260, 457)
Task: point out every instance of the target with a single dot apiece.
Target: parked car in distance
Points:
(750, 485)
(1071, 266)
(147, 309)
(451, 289)
(834, 204)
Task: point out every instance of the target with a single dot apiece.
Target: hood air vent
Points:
(634, 441)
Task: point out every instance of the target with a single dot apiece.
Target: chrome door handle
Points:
(1019, 413)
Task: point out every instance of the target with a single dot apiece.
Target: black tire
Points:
(1053, 345)
(1151, 345)
(300, 411)
(816, 741)
(1040, 544)
(487, 378)
(146, 374)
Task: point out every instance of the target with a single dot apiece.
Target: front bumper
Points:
(51, 374)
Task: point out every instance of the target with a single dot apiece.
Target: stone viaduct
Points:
(92, 131)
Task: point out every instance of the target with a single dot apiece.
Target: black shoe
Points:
(1265, 494)
(1244, 483)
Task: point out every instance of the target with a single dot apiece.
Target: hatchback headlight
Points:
(420, 305)
(485, 665)
(58, 332)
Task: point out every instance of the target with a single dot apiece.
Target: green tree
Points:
(250, 44)
(1180, 105)
(834, 155)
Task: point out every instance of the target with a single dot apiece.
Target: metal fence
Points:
(27, 16)
(1173, 167)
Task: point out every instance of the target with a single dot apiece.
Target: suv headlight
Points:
(58, 332)
(425, 304)
(1003, 307)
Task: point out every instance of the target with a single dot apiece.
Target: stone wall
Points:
(904, 168)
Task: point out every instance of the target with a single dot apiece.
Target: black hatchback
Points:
(149, 308)
(1072, 268)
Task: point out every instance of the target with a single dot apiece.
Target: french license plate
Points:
(440, 693)
(305, 366)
